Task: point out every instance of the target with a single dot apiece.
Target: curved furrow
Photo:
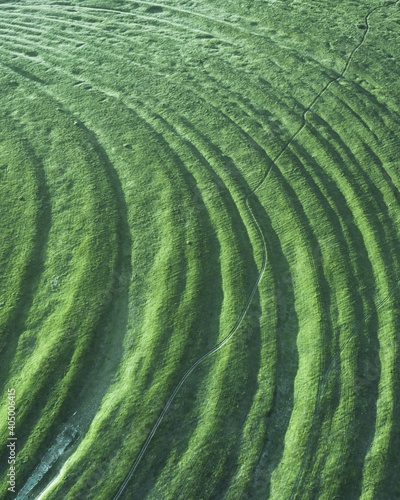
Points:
(224, 399)
(78, 27)
(129, 13)
(365, 107)
(276, 48)
(210, 94)
(156, 21)
(218, 201)
(221, 221)
(223, 342)
(333, 149)
(249, 139)
(280, 195)
(354, 49)
(369, 350)
(349, 296)
(336, 358)
(61, 279)
(264, 316)
(334, 38)
(186, 133)
(380, 458)
(346, 109)
(206, 434)
(385, 399)
(184, 130)
(160, 7)
(312, 331)
(389, 266)
(334, 361)
(311, 105)
(376, 148)
(353, 179)
(22, 253)
(289, 308)
(34, 34)
(381, 54)
(385, 445)
(225, 25)
(224, 222)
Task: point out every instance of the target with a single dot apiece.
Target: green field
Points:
(200, 249)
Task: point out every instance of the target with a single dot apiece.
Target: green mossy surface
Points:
(130, 134)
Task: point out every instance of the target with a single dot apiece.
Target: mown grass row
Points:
(380, 227)
(23, 243)
(220, 222)
(225, 224)
(55, 332)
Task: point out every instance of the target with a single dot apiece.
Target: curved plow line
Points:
(21, 24)
(366, 317)
(138, 16)
(172, 9)
(73, 24)
(196, 14)
(245, 309)
(63, 54)
(105, 92)
(87, 26)
(122, 38)
(323, 383)
(189, 371)
(192, 368)
(10, 38)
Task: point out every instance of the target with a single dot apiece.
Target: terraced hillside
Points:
(200, 249)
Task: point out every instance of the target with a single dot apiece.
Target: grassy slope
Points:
(138, 128)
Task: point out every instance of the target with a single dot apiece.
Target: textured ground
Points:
(181, 174)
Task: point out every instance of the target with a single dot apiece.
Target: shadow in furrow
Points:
(115, 296)
(368, 341)
(122, 273)
(371, 348)
(352, 178)
(33, 270)
(200, 360)
(184, 402)
(389, 487)
(287, 359)
(385, 174)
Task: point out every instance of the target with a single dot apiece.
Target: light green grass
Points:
(130, 133)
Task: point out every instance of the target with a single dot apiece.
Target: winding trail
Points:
(261, 273)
